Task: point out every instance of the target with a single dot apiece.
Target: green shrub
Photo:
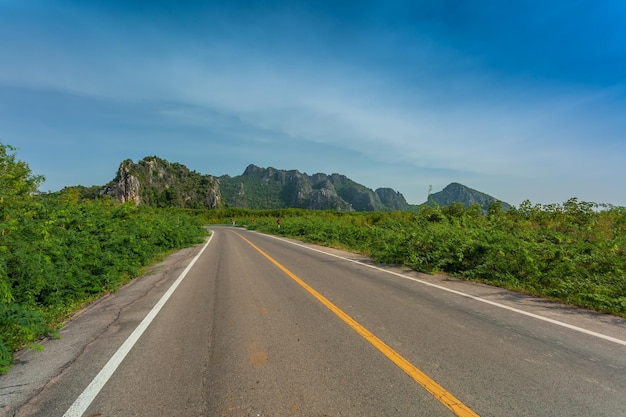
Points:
(58, 252)
(575, 252)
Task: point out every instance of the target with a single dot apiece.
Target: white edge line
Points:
(473, 297)
(83, 401)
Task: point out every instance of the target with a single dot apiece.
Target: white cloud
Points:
(467, 123)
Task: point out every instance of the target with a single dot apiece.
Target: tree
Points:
(17, 185)
(16, 180)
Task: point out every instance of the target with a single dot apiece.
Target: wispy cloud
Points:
(424, 99)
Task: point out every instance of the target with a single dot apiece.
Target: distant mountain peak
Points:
(459, 193)
(270, 188)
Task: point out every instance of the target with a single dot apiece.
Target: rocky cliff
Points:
(392, 199)
(155, 181)
(270, 188)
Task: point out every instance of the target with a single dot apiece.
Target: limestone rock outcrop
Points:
(155, 181)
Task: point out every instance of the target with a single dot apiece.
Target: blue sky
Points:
(520, 100)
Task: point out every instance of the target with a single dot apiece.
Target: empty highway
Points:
(254, 325)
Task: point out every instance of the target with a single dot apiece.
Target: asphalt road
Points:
(261, 326)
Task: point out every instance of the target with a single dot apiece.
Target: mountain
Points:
(392, 199)
(157, 182)
(270, 188)
(458, 193)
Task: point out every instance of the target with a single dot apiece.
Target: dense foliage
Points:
(574, 252)
(58, 252)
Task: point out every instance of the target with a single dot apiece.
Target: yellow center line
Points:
(436, 390)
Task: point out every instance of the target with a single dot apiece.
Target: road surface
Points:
(253, 325)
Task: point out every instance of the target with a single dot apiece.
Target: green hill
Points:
(156, 182)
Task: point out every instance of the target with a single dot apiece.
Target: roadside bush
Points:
(58, 253)
(574, 252)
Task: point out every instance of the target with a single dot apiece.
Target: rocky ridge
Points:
(157, 182)
(271, 188)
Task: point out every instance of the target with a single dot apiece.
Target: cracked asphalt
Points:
(96, 329)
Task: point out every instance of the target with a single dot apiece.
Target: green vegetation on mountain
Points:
(258, 188)
(270, 188)
(458, 193)
(156, 182)
(59, 251)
